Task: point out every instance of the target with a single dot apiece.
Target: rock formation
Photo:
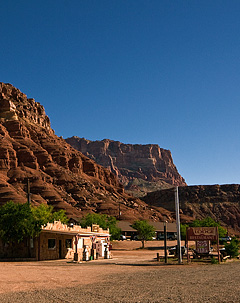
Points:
(220, 202)
(58, 174)
(140, 168)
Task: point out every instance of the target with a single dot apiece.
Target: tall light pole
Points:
(179, 251)
(165, 238)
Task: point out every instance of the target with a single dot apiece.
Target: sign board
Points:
(95, 228)
(202, 233)
(202, 247)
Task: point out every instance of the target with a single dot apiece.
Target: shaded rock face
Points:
(220, 202)
(140, 168)
(59, 175)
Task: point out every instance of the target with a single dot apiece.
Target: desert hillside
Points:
(58, 174)
(220, 202)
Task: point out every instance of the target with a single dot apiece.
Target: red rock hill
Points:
(59, 175)
(220, 202)
(140, 168)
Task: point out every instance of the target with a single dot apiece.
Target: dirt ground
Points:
(130, 276)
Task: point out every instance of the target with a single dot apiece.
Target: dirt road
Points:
(131, 276)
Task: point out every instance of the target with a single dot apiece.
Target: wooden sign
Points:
(202, 233)
(95, 228)
(202, 247)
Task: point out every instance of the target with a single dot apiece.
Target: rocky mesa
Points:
(58, 174)
(140, 168)
(220, 202)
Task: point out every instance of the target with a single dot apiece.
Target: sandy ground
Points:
(131, 276)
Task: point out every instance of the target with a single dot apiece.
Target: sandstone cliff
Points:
(59, 175)
(221, 202)
(140, 168)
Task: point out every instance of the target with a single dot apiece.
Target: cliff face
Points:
(59, 175)
(220, 202)
(140, 168)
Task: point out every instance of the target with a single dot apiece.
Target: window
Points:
(68, 243)
(51, 243)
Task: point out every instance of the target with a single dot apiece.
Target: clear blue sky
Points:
(165, 72)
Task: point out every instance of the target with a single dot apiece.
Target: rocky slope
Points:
(140, 168)
(59, 175)
(221, 202)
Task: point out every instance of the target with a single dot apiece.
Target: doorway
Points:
(60, 249)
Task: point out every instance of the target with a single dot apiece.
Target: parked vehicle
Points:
(135, 238)
(225, 239)
(122, 237)
(169, 237)
(173, 250)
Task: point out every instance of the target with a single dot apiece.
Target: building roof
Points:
(58, 227)
(159, 226)
(125, 226)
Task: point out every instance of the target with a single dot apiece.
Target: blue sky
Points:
(164, 72)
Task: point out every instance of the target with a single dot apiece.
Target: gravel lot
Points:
(131, 276)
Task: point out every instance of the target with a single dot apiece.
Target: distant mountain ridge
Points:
(220, 202)
(140, 168)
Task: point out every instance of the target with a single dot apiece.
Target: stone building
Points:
(59, 241)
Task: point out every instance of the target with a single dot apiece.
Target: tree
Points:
(104, 221)
(44, 213)
(183, 231)
(145, 231)
(17, 222)
(232, 248)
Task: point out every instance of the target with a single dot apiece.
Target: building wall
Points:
(23, 250)
(57, 241)
(59, 251)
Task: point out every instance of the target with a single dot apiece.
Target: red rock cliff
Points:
(135, 165)
(220, 202)
(59, 175)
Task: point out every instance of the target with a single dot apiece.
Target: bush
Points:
(232, 248)
(214, 260)
(183, 230)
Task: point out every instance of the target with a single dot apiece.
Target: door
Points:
(60, 249)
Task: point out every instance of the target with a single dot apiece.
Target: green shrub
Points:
(232, 248)
(214, 260)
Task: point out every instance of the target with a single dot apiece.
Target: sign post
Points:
(219, 259)
(188, 257)
(179, 250)
(165, 241)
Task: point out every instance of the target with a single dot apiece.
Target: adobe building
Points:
(59, 241)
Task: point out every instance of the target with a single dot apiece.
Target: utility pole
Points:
(119, 211)
(28, 193)
(179, 251)
(165, 239)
